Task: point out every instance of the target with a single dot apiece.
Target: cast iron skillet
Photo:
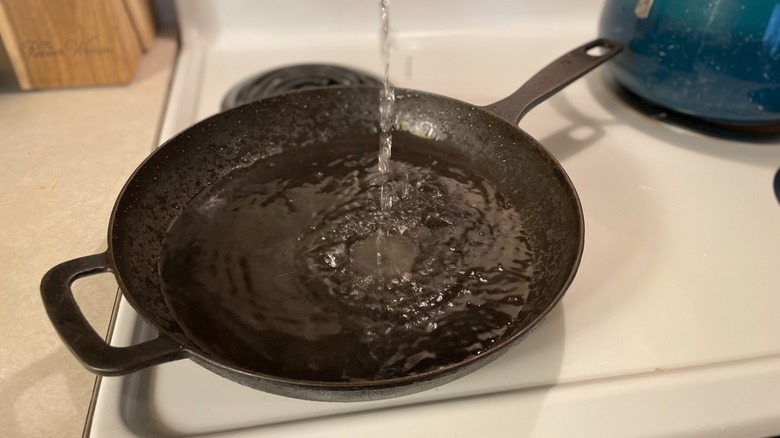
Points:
(160, 188)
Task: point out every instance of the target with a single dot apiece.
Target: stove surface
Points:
(668, 329)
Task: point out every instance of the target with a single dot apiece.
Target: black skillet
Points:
(485, 137)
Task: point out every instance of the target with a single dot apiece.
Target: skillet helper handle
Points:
(553, 78)
(79, 336)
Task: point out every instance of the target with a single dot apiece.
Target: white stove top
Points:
(671, 325)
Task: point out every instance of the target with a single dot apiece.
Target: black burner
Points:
(292, 78)
(751, 133)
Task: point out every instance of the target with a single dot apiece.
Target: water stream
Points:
(386, 120)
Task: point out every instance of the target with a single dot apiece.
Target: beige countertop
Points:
(65, 156)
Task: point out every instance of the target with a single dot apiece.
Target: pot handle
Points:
(553, 78)
(79, 336)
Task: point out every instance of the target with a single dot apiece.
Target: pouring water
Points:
(386, 118)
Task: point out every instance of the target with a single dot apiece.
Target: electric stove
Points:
(671, 325)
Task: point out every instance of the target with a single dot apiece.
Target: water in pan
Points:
(273, 267)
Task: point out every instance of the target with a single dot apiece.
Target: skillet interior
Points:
(522, 170)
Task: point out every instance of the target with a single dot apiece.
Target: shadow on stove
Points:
(753, 134)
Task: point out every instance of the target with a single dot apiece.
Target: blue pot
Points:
(717, 60)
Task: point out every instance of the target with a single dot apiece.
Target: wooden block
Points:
(142, 19)
(68, 43)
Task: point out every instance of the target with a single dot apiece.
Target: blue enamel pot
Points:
(716, 60)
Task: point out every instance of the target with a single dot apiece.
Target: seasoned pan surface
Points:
(170, 224)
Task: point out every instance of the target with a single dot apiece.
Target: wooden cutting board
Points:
(67, 43)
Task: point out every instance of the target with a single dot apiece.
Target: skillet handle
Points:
(79, 336)
(553, 78)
